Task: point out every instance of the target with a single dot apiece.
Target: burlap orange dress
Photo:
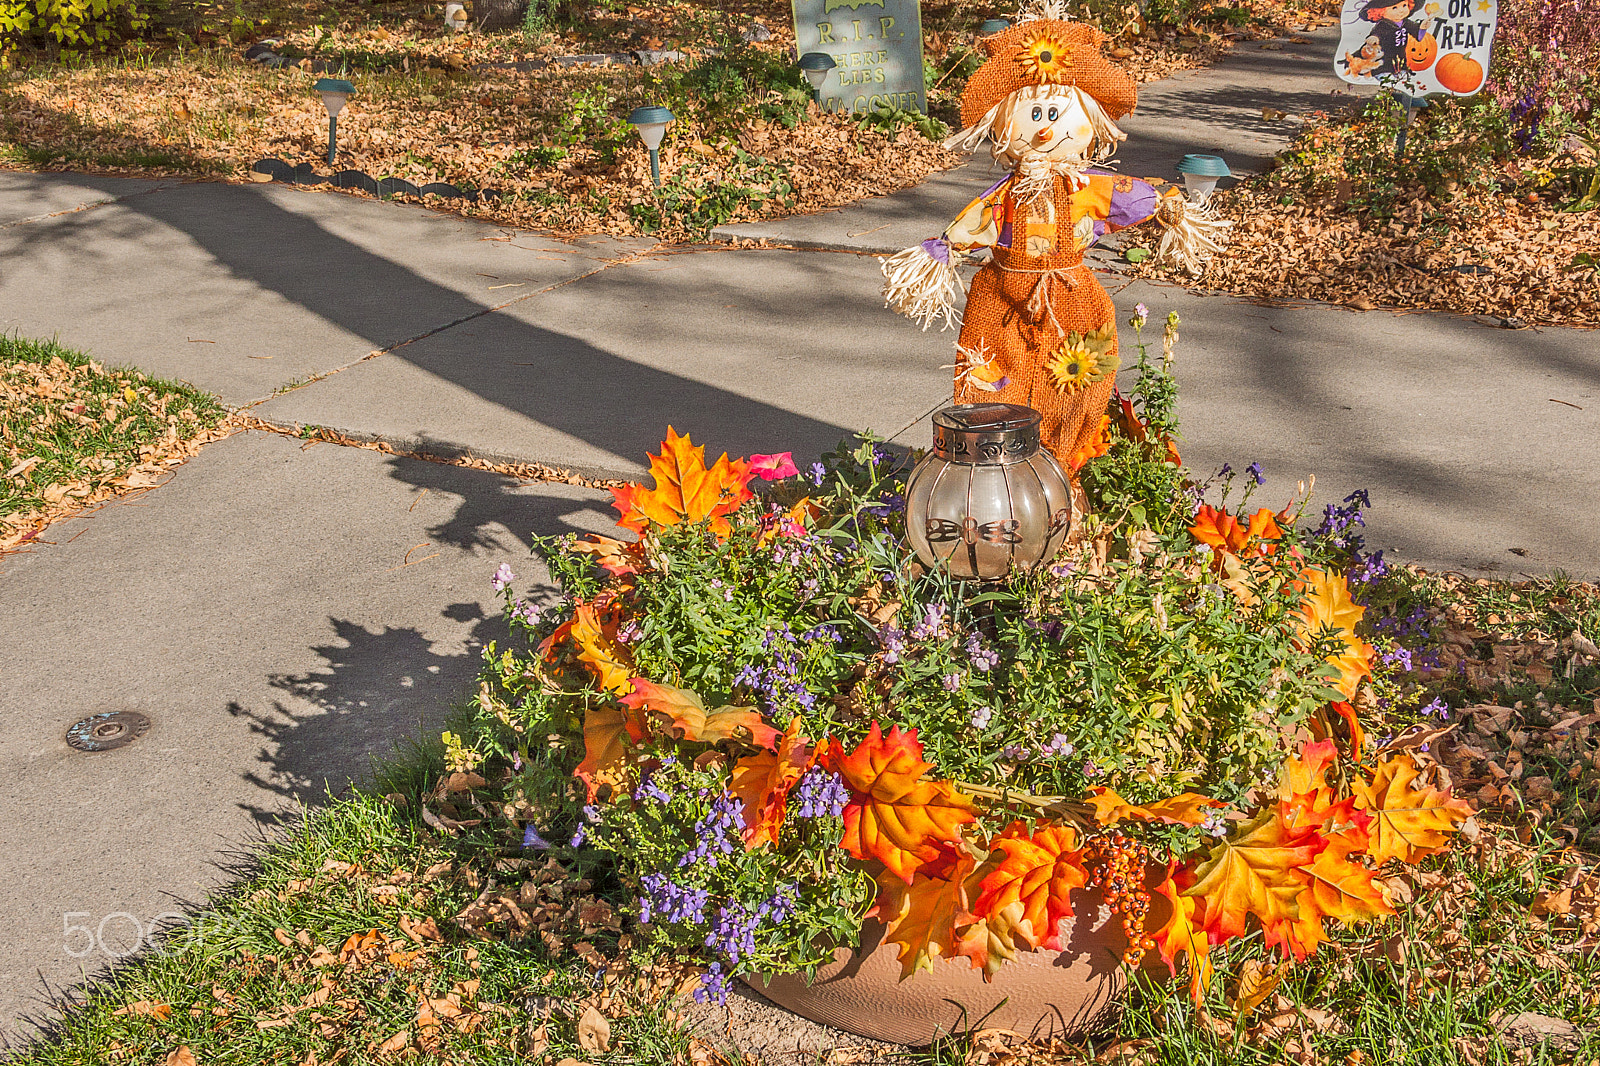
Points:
(1036, 293)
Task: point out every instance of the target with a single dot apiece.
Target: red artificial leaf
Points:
(685, 489)
(894, 814)
(687, 718)
(1338, 888)
(1040, 869)
(1223, 531)
(762, 781)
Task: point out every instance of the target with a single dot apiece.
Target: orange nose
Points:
(1045, 135)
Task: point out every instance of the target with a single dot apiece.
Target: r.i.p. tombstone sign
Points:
(877, 45)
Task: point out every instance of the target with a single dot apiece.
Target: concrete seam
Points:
(84, 207)
(425, 334)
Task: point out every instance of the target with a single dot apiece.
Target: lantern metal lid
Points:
(990, 27)
(986, 433)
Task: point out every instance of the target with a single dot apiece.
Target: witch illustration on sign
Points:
(1038, 329)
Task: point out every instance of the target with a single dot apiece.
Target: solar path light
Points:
(815, 66)
(1201, 173)
(651, 124)
(334, 93)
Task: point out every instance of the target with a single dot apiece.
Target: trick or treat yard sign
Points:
(877, 45)
(1417, 47)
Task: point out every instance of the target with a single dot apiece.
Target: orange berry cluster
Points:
(1116, 866)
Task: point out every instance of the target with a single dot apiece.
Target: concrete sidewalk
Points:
(283, 613)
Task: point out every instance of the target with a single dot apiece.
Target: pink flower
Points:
(773, 467)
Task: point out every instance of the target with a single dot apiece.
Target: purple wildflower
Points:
(502, 577)
(822, 794)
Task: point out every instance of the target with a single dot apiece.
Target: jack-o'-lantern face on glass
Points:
(1050, 121)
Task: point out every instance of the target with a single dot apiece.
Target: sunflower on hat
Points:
(1045, 59)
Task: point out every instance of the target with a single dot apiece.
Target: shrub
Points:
(70, 25)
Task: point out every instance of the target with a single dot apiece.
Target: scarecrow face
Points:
(1052, 124)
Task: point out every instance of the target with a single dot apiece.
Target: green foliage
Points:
(692, 201)
(1454, 148)
(1137, 481)
(829, 895)
(889, 119)
(71, 25)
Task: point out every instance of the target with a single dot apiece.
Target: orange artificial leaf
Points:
(1358, 736)
(1327, 603)
(687, 718)
(1223, 531)
(894, 815)
(993, 941)
(1407, 823)
(609, 731)
(762, 782)
(1183, 935)
(1040, 869)
(1093, 448)
(685, 490)
(598, 648)
(922, 917)
(1336, 888)
(1188, 808)
(1256, 872)
(615, 557)
(790, 524)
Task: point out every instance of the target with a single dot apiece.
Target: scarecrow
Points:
(1038, 329)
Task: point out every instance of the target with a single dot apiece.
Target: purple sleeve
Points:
(1132, 207)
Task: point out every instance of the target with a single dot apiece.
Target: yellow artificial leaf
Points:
(1186, 809)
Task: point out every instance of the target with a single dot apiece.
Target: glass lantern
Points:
(987, 498)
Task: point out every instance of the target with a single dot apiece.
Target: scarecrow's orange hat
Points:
(1047, 52)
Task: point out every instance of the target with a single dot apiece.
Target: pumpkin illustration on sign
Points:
(1038, 329)
(1461, 74)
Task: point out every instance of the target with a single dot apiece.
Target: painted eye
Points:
(1038, 112)
(1054, 114)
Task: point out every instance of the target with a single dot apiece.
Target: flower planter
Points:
(1039, 993)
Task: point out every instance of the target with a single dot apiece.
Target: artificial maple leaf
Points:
(1255, 871)
(685, 490)
(993, 941)
(922, 917)
(1040, 869)
(592, 629)
(607, 732)
(1223, 531)
(1407, 823)
(1327, 603)
(687, 718)
(1187, 808)
(1182, 935)
(894, 814)
(1093, 448)
(1338, 888)
(1358, 740)
(787, 524)
(615, 557)
(763, 780)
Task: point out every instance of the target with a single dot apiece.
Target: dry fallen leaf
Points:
(181, 1057)
(594, 1032)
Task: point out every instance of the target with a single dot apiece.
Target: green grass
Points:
(70, 428)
